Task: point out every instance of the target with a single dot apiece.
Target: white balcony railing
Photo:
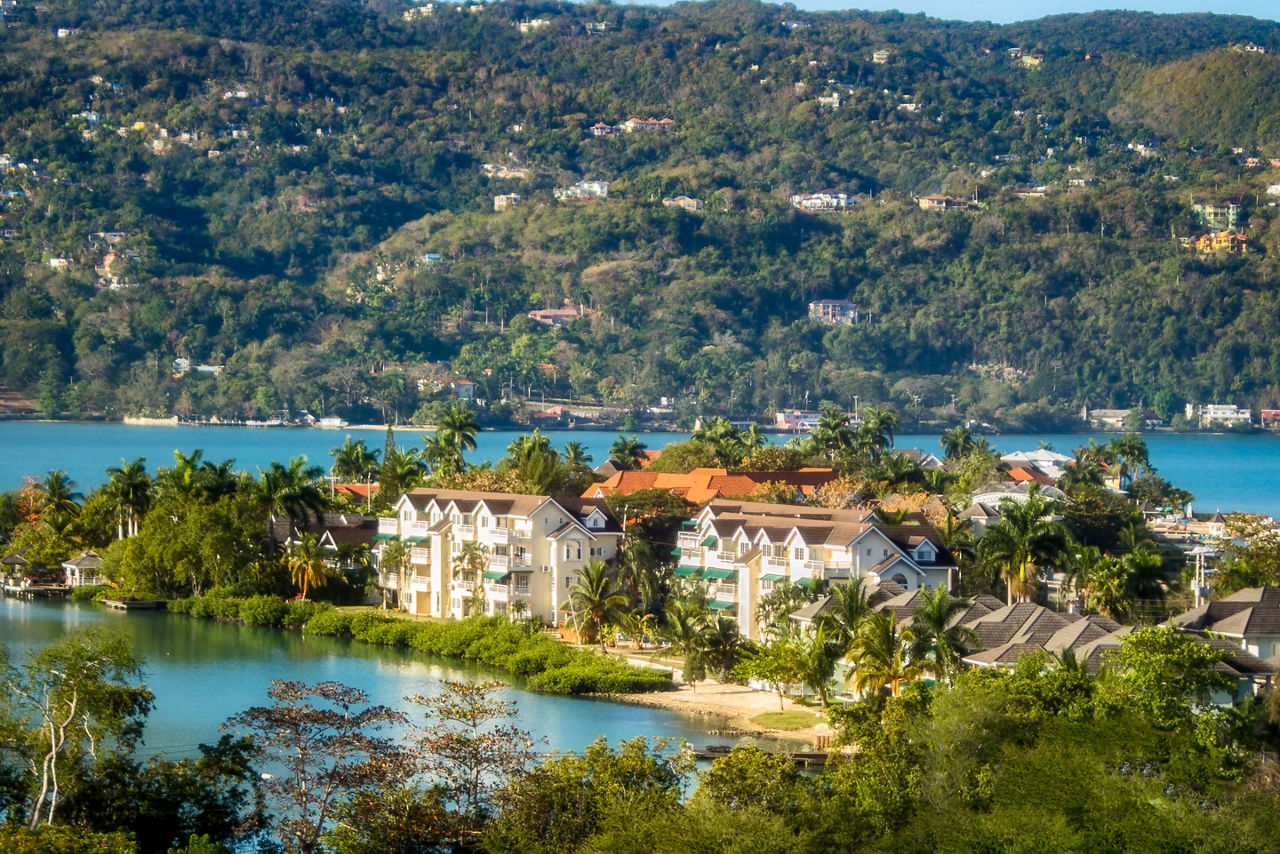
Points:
(388, 525)
(464, 532)
(726, 593)
(775, 562)
(690, 555)
(688, 540)
(500, 561)
(419, 555)
(508, 535)
(415, 529)
(390, 580)
(813, 565)
(420, 584)
(463, 584)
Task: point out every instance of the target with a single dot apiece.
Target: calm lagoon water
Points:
(1224, 472)
(202, 672)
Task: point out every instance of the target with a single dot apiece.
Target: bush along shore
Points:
(545, 663)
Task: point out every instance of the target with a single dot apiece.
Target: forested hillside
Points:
(304, 194)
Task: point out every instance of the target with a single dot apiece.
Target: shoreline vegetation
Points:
(543, 663)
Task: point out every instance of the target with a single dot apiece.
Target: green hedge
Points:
(269, 611)
(545, 662)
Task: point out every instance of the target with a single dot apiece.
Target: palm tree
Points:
(130, 489)
(1143, 576)
(57, 494)
(883, 656)
(1022, 542)
(832, 435)
(956, 443)
(292, 491)
(626, 452)
(938, 636)
(724, 437)
(353, 462)
(305, 561)
(683, 628)
(457, 429)
(818, 653)
(723, 644)
(596, 601)
(400, 471)
(1130, 454)
(576, 455)
(849, 605)
(875, 434)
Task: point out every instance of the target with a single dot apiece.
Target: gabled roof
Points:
(1247, 613)
(16, 558)
(339, 527)
(86, 560)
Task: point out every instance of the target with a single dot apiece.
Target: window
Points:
(573, 550)
(522, 582)
(484, 521)
(742, 548)
(798, 552)
(901, 579)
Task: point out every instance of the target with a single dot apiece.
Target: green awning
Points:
(687, 572)
(415, 540)
(805, 582)
(385, 537)
(716, 605)
(688, 523)
(772, 577)
(710, 542)
(675, 552)
(720, 574)
(495, 575)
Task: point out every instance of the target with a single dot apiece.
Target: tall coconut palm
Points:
(683, 629)
(850, 604)
(876, 432)
(832, 435)
(58, 494)
(292, 491)
(457, 429)
(1131, 456)
(819, 652)
(595, 600)
(354, 462)
(130, 490)
(626, 452)
(724, 438)
(884, 656)
(305, 560)
(575, 455)
(956, 443)
(723, 644)
(1023, 542)
(938, 635)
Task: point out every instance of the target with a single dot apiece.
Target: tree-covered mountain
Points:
(299, 192)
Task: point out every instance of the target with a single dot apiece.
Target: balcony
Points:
(388, 525)
(389, 580)
(499, 561)
(464, 585)
(689, 540)
(726, 593)
(508, 593)
(508, 535)
(420, 584)
(415, 529)
(464, 532)
(837, 570)
(419, 555)
(775, 563)
(691, 556)
(813, 565)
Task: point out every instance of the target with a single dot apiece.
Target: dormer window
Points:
(926, 552)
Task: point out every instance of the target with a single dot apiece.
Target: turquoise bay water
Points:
(1224, 472)
(202, 672)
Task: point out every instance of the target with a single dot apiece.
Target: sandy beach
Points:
(737, 705)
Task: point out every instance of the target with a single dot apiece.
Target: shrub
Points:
(331, 623)
(263, 611)
(298, 613)
(91, 594)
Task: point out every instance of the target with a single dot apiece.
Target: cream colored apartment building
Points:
(529, 549)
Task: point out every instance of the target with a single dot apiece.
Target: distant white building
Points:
(583, 191)
(837, 311)
(826, 200)
(1225, 414)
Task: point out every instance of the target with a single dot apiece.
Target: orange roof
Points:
(704, 484)
(359, 491)
(1024, 474)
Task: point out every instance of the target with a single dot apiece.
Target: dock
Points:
(134, 604)
(32, 591)
(804, 759)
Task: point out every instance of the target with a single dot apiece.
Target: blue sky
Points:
(1005, 11)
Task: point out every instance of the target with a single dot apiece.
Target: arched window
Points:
(901, 579)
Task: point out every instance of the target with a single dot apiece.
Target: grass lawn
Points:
(786, 720)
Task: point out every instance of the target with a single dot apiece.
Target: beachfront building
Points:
(468, 552)
(741, 549)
